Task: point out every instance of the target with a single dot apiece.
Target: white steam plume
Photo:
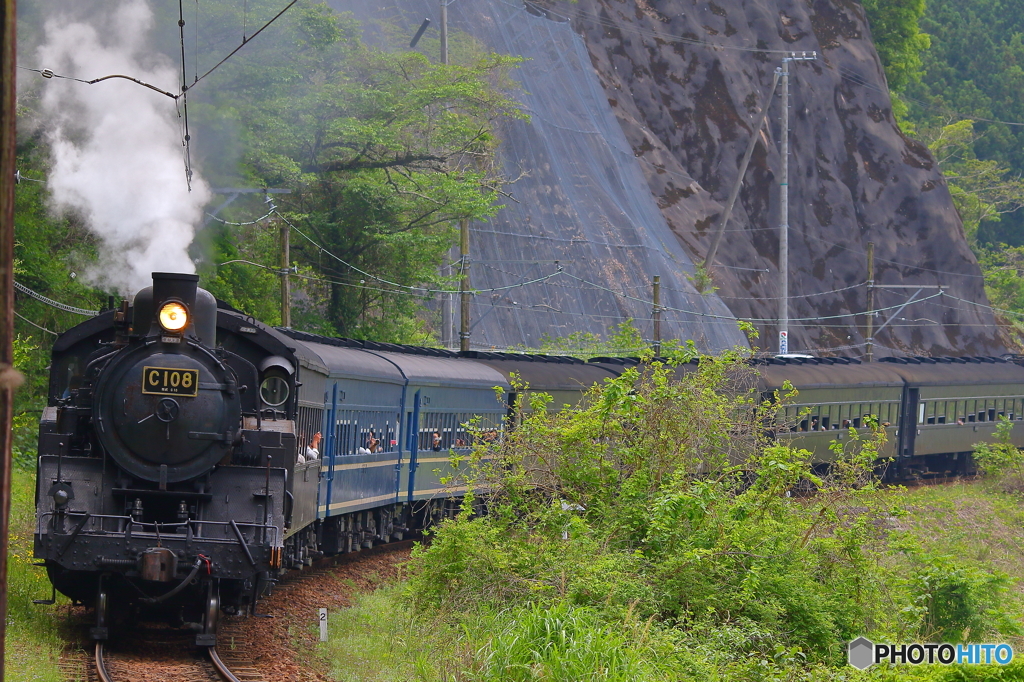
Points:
(117, 147)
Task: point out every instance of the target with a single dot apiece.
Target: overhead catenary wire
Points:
(245, 41)
(55, 304)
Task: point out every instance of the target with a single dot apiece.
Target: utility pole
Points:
(464, 285)
(784, 202)
(444, 31)
(870, 334)
(656, 286)
(447, 323)
(286, 293)
(9, 377)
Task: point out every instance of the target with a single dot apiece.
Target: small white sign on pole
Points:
(783, 343)
(323, 624)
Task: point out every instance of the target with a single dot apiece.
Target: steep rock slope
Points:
(686, 79)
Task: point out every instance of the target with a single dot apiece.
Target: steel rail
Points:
(224, 671)
(101, 668)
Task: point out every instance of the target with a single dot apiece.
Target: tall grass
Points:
(33, 643)
(560, 643)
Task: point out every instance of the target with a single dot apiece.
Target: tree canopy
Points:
(384, 151)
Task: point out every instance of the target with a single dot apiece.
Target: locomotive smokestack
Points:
(175, 286)
(177, 297)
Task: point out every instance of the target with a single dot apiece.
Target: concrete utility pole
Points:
(286, 285)
(9, 377)
(869, 335)
(464, 285)
(656, 314)
(784, 202)
(444, 31)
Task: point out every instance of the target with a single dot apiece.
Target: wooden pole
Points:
(9, 378)
(464, 285)
(869, 335)
(657, 315)
(286, 293)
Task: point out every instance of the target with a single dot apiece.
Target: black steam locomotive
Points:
(181, 471)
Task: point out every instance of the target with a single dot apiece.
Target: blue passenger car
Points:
(389, 422)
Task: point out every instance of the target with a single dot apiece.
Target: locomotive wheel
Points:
(101, 631)
(211, 612)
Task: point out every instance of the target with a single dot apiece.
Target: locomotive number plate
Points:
(170, 381)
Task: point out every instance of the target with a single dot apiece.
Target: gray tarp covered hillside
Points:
(583, 201)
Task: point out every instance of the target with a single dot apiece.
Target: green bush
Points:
(658, 518)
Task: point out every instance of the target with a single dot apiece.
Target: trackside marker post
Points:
(323, 624)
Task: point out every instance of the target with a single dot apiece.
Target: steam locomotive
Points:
(180, 470)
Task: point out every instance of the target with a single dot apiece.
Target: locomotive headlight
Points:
(173, 317)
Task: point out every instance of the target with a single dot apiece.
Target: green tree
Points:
(982, 190)
(898, 38)
(384, 151)
(895, 28)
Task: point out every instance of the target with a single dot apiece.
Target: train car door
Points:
(908, 422)
(330, 448)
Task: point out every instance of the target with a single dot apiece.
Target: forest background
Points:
(385, 150)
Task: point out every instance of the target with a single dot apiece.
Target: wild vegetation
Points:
(653, 535)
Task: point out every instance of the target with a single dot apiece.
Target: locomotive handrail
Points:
(40, 525)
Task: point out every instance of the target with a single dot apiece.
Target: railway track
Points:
(118, 664)
(163, 654)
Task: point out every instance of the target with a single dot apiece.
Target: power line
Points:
(245, 41)
(34, 324)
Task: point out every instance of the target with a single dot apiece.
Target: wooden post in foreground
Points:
(9, 377)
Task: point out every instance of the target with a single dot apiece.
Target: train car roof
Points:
(395, 362)
(451, 371)
(355, 363)
(549, 373)
(811, 376)
(955, 371)
(803, 373)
